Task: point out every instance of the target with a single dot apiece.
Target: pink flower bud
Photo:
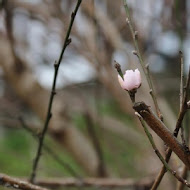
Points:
(132, 80)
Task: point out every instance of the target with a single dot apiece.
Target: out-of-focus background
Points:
(93, 128)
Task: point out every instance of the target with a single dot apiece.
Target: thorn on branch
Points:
(54, 92)
(56, 65)
(72, 15)
(156, 151)
(68, 41)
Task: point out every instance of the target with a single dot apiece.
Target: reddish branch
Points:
(183, 109)
(15, 183)
(163, 132)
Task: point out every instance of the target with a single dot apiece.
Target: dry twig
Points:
(163, 132)
(49, 114)
(182, 112)
(174, 173)
(10, 182)
(138, 54)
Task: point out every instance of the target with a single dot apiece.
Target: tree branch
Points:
(138, 54)
(182, 112)
(174, 173)
(49, 114)
(10, 182)
(163, 132)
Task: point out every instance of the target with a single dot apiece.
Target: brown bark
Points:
(15, 183)
(163, 132)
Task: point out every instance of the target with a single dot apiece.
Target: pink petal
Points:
(121, 82)
(138, 77)
(129, 80)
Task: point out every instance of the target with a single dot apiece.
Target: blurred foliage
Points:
(17, 150)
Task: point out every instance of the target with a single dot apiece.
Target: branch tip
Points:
(118, 68)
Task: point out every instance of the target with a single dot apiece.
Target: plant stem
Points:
(49, 114)
(138, 53)
(174, 173)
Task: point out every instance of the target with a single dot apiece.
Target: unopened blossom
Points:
(131, 80)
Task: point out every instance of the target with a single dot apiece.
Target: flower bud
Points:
(131, 80)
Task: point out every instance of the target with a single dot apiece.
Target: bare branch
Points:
(163, 132)
(138, 54)
(182, 80)
(15, 183)
(174, 173)
(182, 112)
(49, 114)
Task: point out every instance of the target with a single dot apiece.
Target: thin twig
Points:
(138, 54)
(182, 94)
(174, 173)
(176, 131)
(181, 79)
(180, 186)
(48, 149)
(163, 132)
(184, 174)
(14, 183)
(49, 114)
(183, 137)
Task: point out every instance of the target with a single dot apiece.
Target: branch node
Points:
(137, 114)
(136, 35)
(135, 52)
(55, 65)
(188, 104)
(68, 41)
(54, 92)
(147, 66)
(174, 173)
(127, 20)
(72, 15)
